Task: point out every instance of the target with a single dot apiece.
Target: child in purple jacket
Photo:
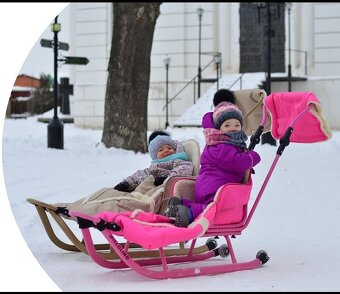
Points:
(225, 159)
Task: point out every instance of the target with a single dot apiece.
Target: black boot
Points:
(182, 216)
(171, 210)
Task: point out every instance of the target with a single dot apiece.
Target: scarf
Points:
(214, 136)
(180, 155)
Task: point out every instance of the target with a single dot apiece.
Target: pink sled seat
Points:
(231, 203)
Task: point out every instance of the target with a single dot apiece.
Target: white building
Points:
(315, 33)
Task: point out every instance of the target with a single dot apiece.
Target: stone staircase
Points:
(192, 117)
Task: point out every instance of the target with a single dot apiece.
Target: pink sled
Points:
(296, 117)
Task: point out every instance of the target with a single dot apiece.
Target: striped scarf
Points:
(214, 136)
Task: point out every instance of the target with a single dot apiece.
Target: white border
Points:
(21, 24)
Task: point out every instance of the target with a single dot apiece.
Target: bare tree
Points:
(126, 99)
(42, 99)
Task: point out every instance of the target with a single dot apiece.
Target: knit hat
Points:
(154, 134)
(224, 111)
(158, 142)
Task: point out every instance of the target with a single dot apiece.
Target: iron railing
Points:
(239, 78)
(305, 57)
(193, 80)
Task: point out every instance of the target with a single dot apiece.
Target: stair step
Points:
(192, 117)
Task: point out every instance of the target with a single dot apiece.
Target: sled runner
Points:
(296, 117)
(249, 101)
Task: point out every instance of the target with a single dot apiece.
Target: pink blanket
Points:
(151, 230)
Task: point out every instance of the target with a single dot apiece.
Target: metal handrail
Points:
(196, 76)
(180, 91)
(239, 78)
(187, 84)
(305, 53)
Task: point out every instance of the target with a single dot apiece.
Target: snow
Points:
(21, 88)
(296, 221)
(21, 98)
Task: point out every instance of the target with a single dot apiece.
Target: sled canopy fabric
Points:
(284, 107)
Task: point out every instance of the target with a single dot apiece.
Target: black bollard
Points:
(55, 131)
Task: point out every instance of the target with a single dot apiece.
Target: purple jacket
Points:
(220, 164)
(207, 120)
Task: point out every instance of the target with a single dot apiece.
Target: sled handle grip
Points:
(284, 141)
(255, 139)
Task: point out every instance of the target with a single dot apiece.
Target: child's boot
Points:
(183, 216)
(171, 210)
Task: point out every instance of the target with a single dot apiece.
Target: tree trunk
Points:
(126, 99)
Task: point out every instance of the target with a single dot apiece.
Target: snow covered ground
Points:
(296, 222)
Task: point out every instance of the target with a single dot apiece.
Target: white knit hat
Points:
(158, 142)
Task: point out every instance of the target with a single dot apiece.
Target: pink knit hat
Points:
(224, 111)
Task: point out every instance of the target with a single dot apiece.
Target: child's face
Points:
(231, 125)
(165, 151)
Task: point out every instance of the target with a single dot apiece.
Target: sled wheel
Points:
(223, 250)
(263, 256)
(211, 243)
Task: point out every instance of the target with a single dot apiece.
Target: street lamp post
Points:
(217, 59)
(166, 61)
(289, 8)
(55, 128)
(200, 14)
